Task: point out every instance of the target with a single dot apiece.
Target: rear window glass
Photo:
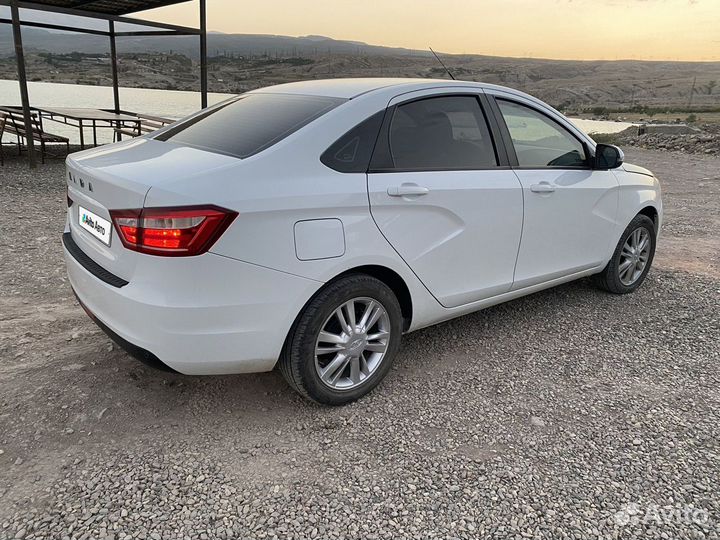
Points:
(250, 123)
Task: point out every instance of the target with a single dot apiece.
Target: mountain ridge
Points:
(218, 44)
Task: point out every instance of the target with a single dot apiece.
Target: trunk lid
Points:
(118, 177)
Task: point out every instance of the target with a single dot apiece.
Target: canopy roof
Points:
(104, 7)
(112, 11)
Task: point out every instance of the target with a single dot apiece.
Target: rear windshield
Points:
(249, 123)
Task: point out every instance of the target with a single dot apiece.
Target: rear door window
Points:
(250, 123)
(441, 133)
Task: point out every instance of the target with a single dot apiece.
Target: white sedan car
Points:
(309, 225)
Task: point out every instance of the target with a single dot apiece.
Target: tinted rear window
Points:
(447, 132)
(250, 123)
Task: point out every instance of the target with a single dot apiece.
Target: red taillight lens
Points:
(183, 231)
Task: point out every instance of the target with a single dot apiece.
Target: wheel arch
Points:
(651, 212)
(628, 211)
(393, 280)
(388, 276)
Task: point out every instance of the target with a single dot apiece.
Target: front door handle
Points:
(404, 190)
(542, 187)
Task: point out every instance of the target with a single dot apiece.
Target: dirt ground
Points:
(545, 416)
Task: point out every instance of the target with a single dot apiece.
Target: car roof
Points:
(352, 87)
(384, 87)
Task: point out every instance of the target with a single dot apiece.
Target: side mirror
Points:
(608, 156)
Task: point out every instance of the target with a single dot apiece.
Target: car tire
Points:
(623, 273)
(307, 366)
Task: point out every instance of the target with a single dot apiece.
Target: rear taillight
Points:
(69, 200)
(172, 232)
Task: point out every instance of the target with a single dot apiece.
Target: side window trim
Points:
(381, 160)
(504, 156)
(510, 146)
(504, 132)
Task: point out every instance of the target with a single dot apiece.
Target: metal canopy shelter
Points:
(112, 11)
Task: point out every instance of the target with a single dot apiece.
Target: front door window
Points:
(539, 141)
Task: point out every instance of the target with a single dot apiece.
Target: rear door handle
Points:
(542, 187)
(407, 189)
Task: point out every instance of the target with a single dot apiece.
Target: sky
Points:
(563, 29)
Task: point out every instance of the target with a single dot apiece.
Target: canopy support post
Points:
(203, 55)
(113, 61)
(22, 79)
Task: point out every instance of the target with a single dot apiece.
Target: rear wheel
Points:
(632, 258)
(344, 341)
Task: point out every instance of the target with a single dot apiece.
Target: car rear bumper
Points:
(204, 315)
(144, 356)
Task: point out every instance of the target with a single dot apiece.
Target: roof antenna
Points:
(441, 63)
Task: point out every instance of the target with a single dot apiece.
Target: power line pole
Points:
(692, 91)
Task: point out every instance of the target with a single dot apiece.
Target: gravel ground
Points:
(567, 414)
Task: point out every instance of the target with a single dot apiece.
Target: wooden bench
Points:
(147, 124)
(12, 121)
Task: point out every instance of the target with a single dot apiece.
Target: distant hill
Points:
(240, 62)
(218, 44)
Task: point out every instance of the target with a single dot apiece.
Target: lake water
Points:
(166, 103)
(600, 126)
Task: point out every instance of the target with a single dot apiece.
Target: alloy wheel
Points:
(352, 343)
(634, 256)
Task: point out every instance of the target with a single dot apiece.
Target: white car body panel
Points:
(301, 224)
(465, 216)
(568, 230)
(638, 190)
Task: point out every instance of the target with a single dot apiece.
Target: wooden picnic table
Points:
(12, 122)
(81, 118)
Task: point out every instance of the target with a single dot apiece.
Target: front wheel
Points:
(632, 258)
(344, 341)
